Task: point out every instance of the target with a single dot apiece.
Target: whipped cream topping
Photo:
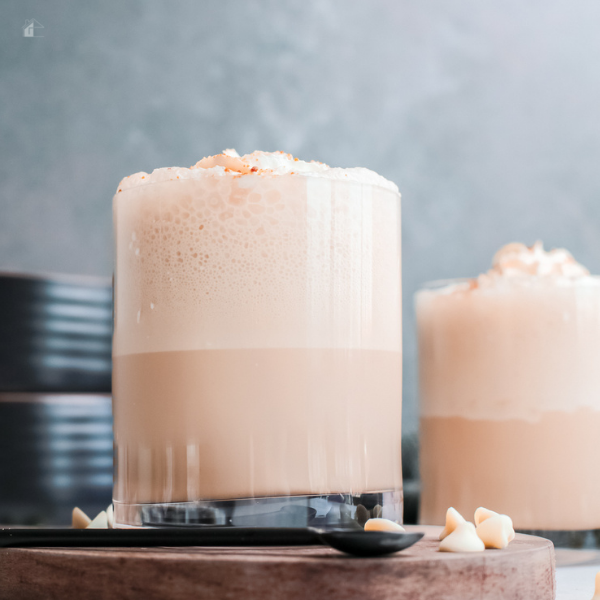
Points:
(518, 260)
(265, 164)
(518, 264)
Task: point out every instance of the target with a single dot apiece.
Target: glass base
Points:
(582, 539)
(330, 511)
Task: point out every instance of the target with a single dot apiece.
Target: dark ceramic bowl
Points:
(55, 404)
(55, 334)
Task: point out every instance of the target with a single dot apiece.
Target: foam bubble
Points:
(285, 262)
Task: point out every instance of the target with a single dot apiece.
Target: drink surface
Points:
(257, 347)
(509, 391)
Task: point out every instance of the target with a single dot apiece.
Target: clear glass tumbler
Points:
(510, 403)
(257, 352)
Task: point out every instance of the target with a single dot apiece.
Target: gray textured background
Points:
(485, 113)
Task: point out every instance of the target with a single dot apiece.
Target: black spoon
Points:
(357, 543)
(369, 543)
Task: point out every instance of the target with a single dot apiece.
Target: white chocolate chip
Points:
(79, 519)
(482, 514)
(383, 525)
(495, 531)
(453, 520)
(462, 539)
(596, 595)
(110, 516)
(100, 522)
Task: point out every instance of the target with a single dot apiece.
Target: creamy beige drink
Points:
(510, 392)
(257, 346)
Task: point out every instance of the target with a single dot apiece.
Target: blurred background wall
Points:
(485, 113)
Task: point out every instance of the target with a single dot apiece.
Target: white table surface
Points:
(576, 573)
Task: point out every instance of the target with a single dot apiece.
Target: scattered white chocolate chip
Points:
(453, 520)
(596, 595)
(495, 531)
(378, 524)
(482, 514)
(462, 539)
(100, 522)
(79, 519)
(110, 516)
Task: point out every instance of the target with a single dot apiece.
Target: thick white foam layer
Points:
(256, 262)
(257, 164)
(514, 343)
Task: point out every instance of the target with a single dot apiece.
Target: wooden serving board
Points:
(524, 570)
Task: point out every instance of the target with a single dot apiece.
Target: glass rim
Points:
(293, 175)
(437, 284)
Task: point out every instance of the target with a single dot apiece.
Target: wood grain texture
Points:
(523, 571)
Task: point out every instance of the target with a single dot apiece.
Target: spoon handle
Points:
(164, 536)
